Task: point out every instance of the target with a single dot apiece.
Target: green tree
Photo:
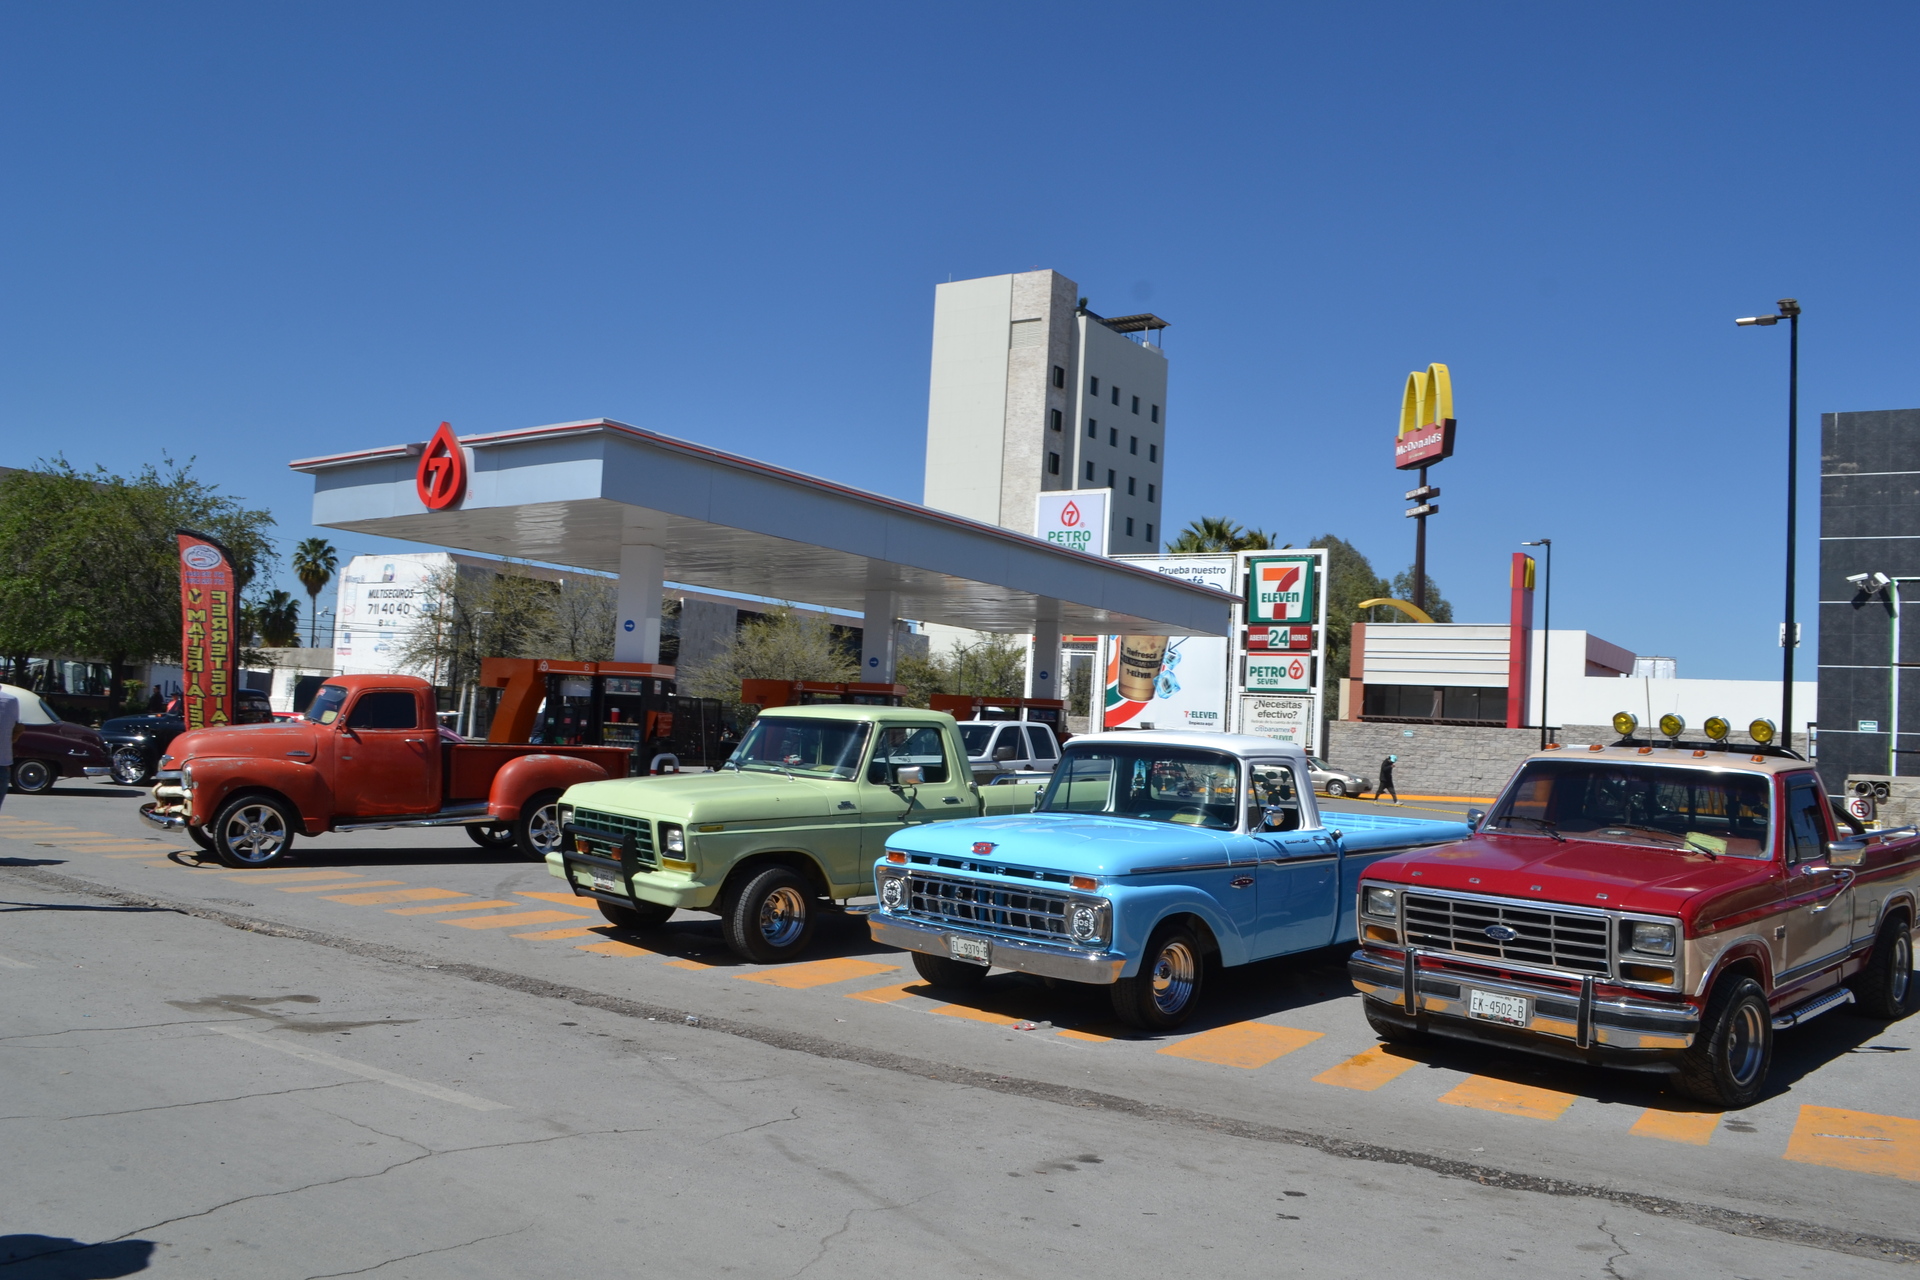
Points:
(89, 565)
(465, 616)
(275, 619)
(995, 666)
(1437, 606)
(1214, 535)
(314, 562)
(1350, 579)
(782, 644)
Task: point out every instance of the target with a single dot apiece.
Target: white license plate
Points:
(972, 950)
(606, 881)
(1511, 1010)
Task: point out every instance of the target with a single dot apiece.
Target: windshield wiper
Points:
(1684, 841)
(1547, 827)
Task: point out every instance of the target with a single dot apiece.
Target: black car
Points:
(135, 743)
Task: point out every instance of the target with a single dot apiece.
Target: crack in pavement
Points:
(1621, 1251)
(142, 1026)
(750, 1128)
(498, 1235)
(204, 1102)
(826, 1241)
(1732, 1221)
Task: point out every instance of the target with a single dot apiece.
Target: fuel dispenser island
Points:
(628, 704)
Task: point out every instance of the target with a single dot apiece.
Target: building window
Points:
(1150, 491)
(1059, 376)
(1093, 386)
(1056, 419)
(1129, 526)
(1133, 444)
(1053, 464)
(1153, 453)
(1149, 532)
(1116, 395)
(1109, 479)
(1089, 473)
(1093, 428)
(1113, 436)
(1136, 404)
(1156, 413)
(1129, 486)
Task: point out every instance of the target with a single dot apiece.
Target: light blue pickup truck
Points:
(1148, 857)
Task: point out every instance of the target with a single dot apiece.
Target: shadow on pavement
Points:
(32, 1257)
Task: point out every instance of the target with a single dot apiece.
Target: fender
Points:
(1745, 949)
(524, 776)
(1138, 912)
(296, 781)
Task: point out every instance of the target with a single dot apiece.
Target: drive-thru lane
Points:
(1280, 1045)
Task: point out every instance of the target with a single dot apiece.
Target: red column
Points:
(1519, 641)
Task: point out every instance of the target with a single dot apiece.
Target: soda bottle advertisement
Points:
(1166, 682)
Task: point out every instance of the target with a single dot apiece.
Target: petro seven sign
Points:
(441, 477)
(1075, 519)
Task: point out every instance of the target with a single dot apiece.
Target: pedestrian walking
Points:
(10, 730)
(1386, 780)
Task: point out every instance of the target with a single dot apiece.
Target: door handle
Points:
(1241, 882)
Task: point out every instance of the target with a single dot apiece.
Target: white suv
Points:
(1008, 746)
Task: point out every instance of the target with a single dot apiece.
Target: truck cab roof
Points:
(1245, 745)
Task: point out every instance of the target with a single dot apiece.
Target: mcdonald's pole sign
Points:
(206, 630)
(1426, 419)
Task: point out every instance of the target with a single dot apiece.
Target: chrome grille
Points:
(1021, 913)
(617, 827)
(1542, 938)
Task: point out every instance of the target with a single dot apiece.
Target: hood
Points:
(1077, 843)
(1584, 873)
(242, 740)
(722, 796)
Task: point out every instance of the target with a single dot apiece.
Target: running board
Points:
(1813, 1008)
(458, 818)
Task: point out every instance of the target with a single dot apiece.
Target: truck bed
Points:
(1382, 832)
(470, 766)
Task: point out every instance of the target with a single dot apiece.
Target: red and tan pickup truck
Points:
(368, 753)
(1660, 907)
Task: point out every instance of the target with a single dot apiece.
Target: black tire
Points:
(253, 831)
(642, 915)
(948, 975)
(1388, 1029)
(1166, 991)
(200, 837)
(1728, 1062)
(536, 832)
(500, 836)
(33, 777)
(771, 918)
(1883, 986)
(131, 767)
(1336, 788)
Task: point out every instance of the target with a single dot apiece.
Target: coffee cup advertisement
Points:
(1166, 682)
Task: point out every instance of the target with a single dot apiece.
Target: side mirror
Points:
(1005, 752)
(1847, 854)
(908, 775)
(1474, 818)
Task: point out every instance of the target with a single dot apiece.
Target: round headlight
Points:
(1084, 923)
(1762, 732)
(1379, 902)
(1624, 723)
(893, 891)
(1716, 729)
(1672, 725)
(1654, 939)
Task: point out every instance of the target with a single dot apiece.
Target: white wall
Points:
(1574, 697)
(1435, 653)
(967, 397)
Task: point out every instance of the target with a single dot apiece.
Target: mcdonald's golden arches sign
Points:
(1426, 419)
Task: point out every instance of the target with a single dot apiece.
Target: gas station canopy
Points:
(578, 493)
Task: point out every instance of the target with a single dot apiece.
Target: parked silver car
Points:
(1337, 782)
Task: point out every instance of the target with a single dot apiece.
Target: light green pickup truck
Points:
(796, 817)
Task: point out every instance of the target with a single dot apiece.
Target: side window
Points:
(1273, 789)
(1042, 742)
(925, 747)
(384, 711)
(1806, 827)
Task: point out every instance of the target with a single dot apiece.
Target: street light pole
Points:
(1790, 312)
(1546, 641)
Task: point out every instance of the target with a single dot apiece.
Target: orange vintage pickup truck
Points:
(368, 753)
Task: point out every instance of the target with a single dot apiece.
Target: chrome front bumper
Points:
(151, 815)
(97, 770)
(1579, 1026)
(1023, 957)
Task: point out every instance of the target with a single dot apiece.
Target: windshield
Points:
(327, 700)
(824, 748)
(1687, 810)
(976, 736)
(1169, 784)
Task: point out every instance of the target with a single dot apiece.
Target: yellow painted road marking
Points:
(515, 918)
(1509, 1099)
(1367, 1071)
(546, 934)
(469, 905)
(1097, 1032)
(1859, 1141)
(1248, 1045)
(888, 995)
(339, 884)
(147, 853)
(692, 966)
(612, 948)
(818, 973)
(1695, 1127)
(395, 895)
(570, 899)
(972, 1014)
(109, 846)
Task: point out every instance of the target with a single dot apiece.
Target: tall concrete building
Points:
(1031, 391)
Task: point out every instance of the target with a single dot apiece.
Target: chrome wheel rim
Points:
(1173, 974)
(783, 914)
(1746, 1043)
(129, 766)
(254, 833)
(1902, 966)
(544, 829)
(1336, 788)
(29, 775)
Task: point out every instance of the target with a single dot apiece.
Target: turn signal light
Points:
(1084, 882)
(1698, 754)
(1598, 746)
(1646, 751)
(896, 857)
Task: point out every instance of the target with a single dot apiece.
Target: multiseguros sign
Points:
(1075, 519)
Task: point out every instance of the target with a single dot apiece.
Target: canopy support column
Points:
(1043, 661)
(878, 645)
(636, 627)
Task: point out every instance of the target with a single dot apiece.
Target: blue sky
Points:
(253, 233)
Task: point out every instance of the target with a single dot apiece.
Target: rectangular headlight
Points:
(566, 814)
(673, 838)
(1376, 901)
(1653, 939)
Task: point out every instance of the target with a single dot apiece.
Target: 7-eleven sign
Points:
(1280, 589)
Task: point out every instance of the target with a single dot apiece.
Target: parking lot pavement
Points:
(1280, 1044)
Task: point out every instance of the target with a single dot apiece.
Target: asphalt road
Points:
(409, 1057)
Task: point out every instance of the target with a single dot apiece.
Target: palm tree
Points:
(314, 561)
(278, 620)
(1211, 535)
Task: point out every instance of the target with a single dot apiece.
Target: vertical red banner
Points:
(1520, 642)
(207, 613)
